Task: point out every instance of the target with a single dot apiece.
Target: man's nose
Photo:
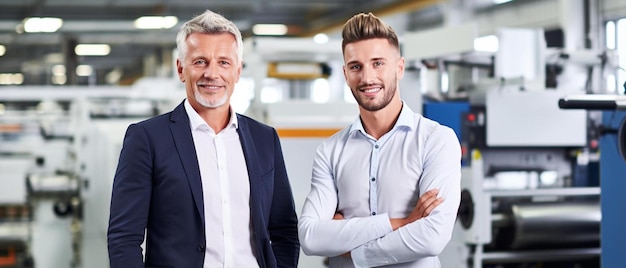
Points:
(368, 74)
(210, 71)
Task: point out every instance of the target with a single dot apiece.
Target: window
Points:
(616, 40)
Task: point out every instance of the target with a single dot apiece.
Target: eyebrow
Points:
(352, 62)
(370, 60)
(379, 59)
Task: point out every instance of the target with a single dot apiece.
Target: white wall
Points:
(299, 154)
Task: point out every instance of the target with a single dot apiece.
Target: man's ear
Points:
(400, 68)
(179, 70)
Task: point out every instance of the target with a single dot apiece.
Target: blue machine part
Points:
(613, 192)
(447, 113)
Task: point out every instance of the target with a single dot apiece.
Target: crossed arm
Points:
(387, 240)
(377, 240)
(426, 203)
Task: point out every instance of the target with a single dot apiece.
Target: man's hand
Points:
(426, 204)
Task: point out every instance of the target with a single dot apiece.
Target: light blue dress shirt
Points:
(370, 181)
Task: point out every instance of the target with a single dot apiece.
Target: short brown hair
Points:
(367, 26)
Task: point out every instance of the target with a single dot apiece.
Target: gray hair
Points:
(208, 22)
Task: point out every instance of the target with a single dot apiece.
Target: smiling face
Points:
(210, 69)
(372, 70)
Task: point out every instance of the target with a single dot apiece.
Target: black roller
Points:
(538, 225)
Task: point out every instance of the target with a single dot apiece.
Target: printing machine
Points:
(612, 170)
(31, 151)
(530, 171)
(523, 199)
(15, 214)
(58, 152)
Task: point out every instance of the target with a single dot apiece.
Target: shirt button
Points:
(201, 248)
(376, 146)
(373, 179)
(373, 213)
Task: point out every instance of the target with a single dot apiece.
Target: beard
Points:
(372, 106)
(208, 103)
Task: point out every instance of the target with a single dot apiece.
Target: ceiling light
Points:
(58, 69)
(42, 25)
(3, 50)
(11, 79)
(92, 50)
(501, 1)
(320, 38)
(84, 70)
(269, 29)
(59, 79)
(156, 22)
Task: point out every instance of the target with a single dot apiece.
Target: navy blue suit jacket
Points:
(157, 189)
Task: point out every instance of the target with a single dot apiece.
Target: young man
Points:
(385, 190)
(208, 186)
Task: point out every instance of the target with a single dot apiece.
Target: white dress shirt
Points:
(370, 181)
(226, 192)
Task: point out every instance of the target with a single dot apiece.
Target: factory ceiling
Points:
(112, 22)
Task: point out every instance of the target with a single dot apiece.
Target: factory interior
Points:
(534, 89)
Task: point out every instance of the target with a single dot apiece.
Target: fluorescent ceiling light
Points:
(3, 50)
(11, 79)
(269, 29)
(58, 69)
(501, 1)
(92, 50)
(42, 25)
(320, 38)
(59, 79)
(84, 70)
(156, 22)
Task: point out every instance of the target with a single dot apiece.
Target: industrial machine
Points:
(612, 170)
(522, 201)
(530, 173)
(34, 149)
(58, 153)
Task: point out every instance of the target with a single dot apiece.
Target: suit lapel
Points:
(250, 154)
(181, 132)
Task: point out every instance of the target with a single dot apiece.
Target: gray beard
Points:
(208, 104)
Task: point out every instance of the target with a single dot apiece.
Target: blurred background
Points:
(534, 90)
